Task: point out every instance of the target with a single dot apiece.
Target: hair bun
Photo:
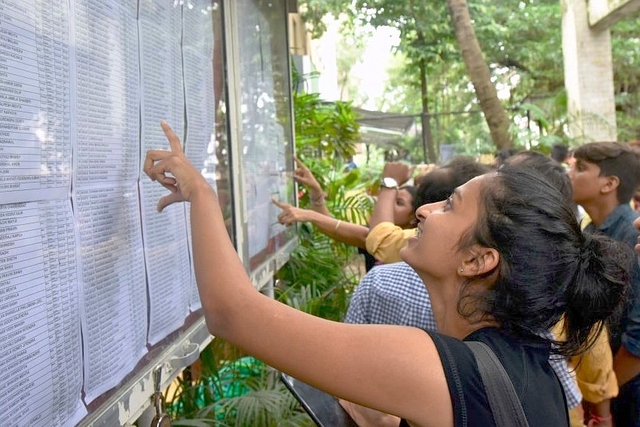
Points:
(601, 277)
(603, 258)
(589, 249)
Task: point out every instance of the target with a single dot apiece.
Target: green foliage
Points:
(323, 128)
(315, 279)
(314, 12)
(244, 392)
(521, 43)
(626, 57)
(425, 32)
(347, 192)
(547, 123)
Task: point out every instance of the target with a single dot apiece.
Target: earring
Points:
(461, 270)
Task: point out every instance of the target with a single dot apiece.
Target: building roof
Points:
(378, 127)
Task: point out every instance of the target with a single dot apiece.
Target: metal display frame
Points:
(132, 402)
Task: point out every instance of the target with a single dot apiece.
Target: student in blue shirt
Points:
(604, 177)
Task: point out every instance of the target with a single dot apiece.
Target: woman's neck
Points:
(444, 303)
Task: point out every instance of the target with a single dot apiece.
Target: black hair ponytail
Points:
(549, 270)
(602, 274)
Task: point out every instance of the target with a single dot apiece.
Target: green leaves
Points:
(521, 42)
(242, 392)
(324, 128)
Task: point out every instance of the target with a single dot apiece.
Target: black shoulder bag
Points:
(504, 402)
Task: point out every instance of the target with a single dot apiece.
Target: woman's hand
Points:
(401, 172)
(185, 181)
(303, 175)
(290, 214)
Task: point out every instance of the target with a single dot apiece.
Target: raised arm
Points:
(383, 210)
(342, 231)
(303, 175)
(390, 368)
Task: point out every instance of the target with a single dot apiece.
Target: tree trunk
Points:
(478, 70)
(428, 149)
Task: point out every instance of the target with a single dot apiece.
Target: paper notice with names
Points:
(165, 234)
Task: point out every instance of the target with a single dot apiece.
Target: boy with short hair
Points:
(604, 178)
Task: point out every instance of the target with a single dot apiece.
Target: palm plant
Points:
(246, 393)
(231, 389)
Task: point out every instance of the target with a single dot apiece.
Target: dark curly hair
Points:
(548, 268)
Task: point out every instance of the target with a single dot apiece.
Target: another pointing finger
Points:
(278, 203)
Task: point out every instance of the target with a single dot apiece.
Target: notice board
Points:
(93, 282)
(266, 136)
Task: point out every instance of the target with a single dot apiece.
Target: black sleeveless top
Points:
(526, 362)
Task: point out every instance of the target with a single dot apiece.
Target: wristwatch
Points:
(388, 182)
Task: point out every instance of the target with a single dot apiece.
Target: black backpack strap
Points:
(505, 405)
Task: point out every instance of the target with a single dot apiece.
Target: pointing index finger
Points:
(277, 202)
(174, 141)
(299, 162)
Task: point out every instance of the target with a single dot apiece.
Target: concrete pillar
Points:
(604, 13)
(588, 75)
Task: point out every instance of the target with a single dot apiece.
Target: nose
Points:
(423, 211)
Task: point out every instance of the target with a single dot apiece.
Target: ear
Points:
(611, 183)
(480, 261)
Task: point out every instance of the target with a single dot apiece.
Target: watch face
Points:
(389, 182)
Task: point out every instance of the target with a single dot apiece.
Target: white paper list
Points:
(264, 158)
(114, 311)
(165, 235)
(35, 154)
(107, 94)
(39, 321)
(81, 297)
(199, 142)
(105, 138)
(39, 302)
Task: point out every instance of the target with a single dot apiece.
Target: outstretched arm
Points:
(342, 231)
(359, 363)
